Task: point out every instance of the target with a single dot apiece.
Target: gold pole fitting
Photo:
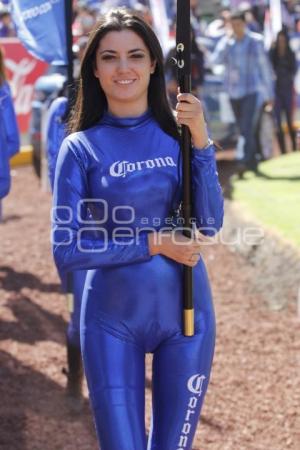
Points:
(70, 302)
(189, 322)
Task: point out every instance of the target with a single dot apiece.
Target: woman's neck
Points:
(127, 109)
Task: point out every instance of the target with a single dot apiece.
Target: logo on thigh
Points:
(194, 385)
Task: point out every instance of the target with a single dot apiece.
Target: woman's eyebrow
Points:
(129, 51)
(136, 50)
(107, 51)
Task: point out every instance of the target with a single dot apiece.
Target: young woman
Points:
(116, 185)
(9, 133)
(285, 68)
(73, 282)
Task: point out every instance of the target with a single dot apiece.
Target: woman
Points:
(121, 167)
(9, 133)
(285, 68)
(73, 282)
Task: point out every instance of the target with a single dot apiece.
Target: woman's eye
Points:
(137, 55)
(107, 57)
(111, 57)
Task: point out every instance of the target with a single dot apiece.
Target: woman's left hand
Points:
(189, 112)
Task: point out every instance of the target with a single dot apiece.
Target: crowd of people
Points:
(127, 296)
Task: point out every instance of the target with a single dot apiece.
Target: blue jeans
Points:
(245, 110)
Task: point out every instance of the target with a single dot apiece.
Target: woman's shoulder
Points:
(59, 104)
(75, 140)
(80, 143)
(83, 137)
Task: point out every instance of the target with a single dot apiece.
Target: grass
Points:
(274, 197)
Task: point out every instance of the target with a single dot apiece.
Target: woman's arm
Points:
(10, 125)
(55, 133)
(208, 203)
(78, 245)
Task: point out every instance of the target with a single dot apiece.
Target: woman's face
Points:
(123, 67)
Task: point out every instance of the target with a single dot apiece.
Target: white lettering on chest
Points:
(122, 168)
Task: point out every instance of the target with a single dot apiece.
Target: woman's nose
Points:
(123, 64)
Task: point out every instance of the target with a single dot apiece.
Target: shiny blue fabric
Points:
(132, 302)
(56, 132)
(73, 330)
(9, 137)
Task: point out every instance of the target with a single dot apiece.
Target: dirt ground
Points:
(254, 397)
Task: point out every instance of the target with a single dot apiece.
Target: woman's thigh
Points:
(181, 371)
(115, 372)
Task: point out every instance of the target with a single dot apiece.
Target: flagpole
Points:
(183, 49)
(69, 45)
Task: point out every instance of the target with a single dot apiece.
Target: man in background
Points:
(249, 83)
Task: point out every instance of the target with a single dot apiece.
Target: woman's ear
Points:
(95, 70)
(153, 66)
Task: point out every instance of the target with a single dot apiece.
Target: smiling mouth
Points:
(124, 82)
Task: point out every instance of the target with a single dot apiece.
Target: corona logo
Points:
(194, 385)
(122, 168)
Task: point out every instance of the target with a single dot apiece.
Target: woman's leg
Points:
(181, 371)
(77, 280)
(115, 372)
(279, 129)
(288, 108)
(75, 372)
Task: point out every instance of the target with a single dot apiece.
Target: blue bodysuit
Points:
(124, 174)
(9, 137)
(56, 132)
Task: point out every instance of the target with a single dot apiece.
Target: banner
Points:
(23, 71)
(40, 27)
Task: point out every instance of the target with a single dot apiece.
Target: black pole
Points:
(70, 57)
(183, 48)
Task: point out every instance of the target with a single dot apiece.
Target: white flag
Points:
(160, 23)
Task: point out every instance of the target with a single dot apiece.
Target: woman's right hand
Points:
(175, 246)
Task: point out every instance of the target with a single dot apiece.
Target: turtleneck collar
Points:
(125, 122)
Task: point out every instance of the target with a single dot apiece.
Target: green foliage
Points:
(273, 197)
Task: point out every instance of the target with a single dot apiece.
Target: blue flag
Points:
(41, 28)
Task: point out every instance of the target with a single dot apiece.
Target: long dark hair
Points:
(288, 50)
(91, 101)
(2, 68)
(289, 55)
